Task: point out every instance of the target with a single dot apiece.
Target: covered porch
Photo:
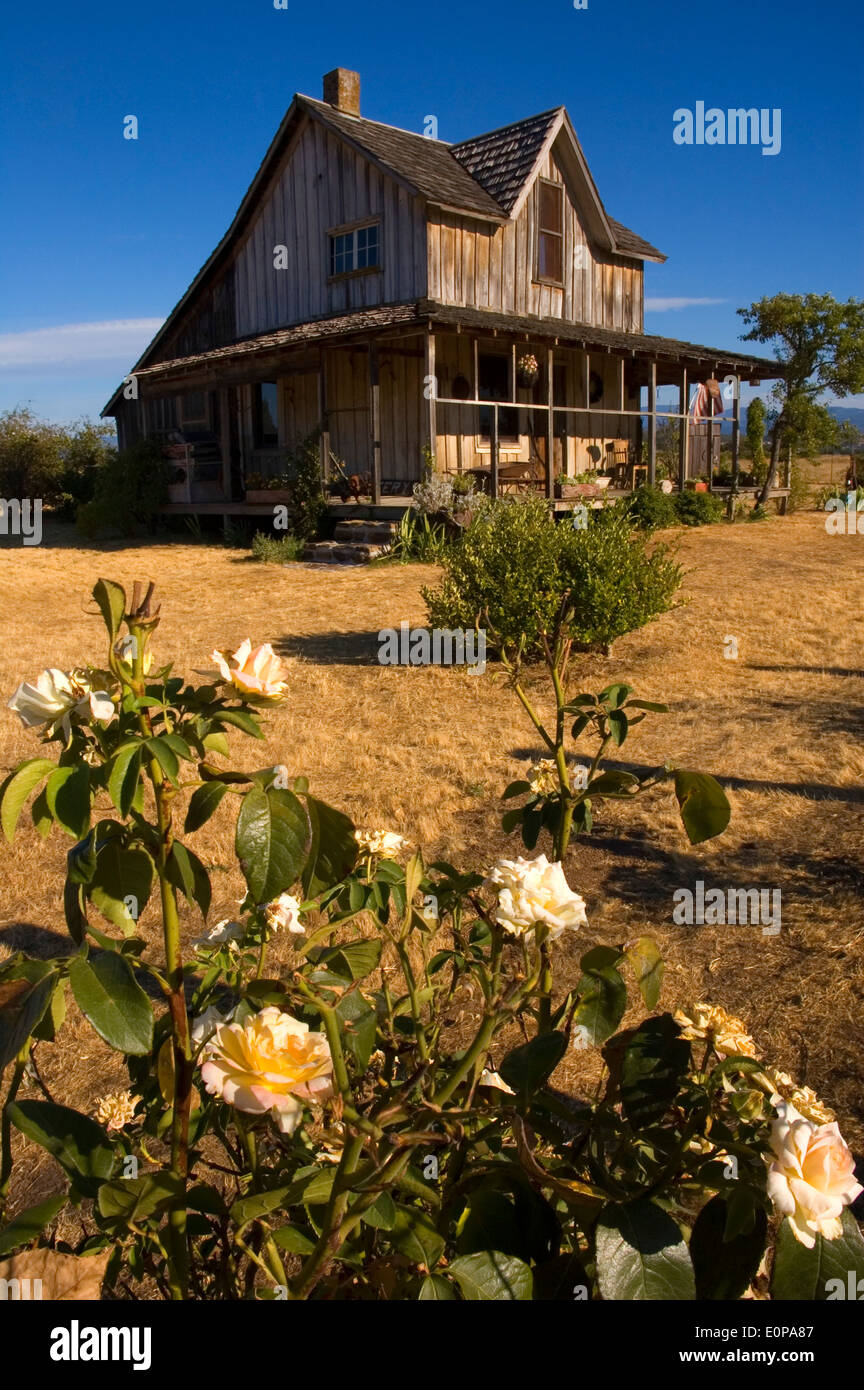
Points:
(517, 404)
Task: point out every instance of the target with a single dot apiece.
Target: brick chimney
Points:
(342, 90)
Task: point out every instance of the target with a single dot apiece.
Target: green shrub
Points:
(515, 563)
(651, 508)
(419, 538)
(31, 457)
(697, 508)
(304, 473)
(130, 488)
(276, 550)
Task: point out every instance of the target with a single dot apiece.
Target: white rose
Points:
(533, 892)
(206, 1024)
(812, 1177)
(223, 934)
(284, 914)
(56, 697)
(379, 841)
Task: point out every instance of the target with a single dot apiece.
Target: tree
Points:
(756, 415)
(819, 343)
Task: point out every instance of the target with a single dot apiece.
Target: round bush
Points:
(698, 508)
(515, 564)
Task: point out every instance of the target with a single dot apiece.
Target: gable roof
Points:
(504, 160)
(427, 165)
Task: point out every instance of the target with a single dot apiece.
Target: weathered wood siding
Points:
(324, 184)
(484, 267)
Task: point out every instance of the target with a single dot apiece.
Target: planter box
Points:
(571, 492)
(262, 496)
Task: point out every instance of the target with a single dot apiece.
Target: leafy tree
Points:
(819, 343)
(31, 455)
(755, 435)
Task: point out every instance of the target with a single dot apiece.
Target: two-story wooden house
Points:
(471, 303)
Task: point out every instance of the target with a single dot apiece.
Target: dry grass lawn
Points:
(428, 752)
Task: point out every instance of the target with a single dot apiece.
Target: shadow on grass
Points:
(331, 648)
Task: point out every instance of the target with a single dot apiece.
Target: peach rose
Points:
(812, 1176)
(269, 1063)
(711, 1023)
(259, 675)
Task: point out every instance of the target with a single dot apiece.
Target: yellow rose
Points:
(269, 1063)
(727, 1034)
(812, 1176)
(259, 676)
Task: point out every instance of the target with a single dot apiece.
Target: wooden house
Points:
(474, 304)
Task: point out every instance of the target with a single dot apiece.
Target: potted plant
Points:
(527, 370)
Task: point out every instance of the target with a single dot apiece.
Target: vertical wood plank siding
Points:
(485, 267)
(324, 183)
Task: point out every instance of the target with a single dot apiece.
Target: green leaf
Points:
(22, 1005)
(334, 849)
(490, 1277)
(217, 743)
(648, 705)
(516, 789)
(705, 810)
(112, 605)
(272, 841)
(73, 911)
(123, 777)
(614, 784)
(614, 696)
(649, 1062)
(602, 1002)
(646, 962)
(121, 874)
(294, 1241)
(135, 1199)
(618, 726)
(165, 757)
(529, 1067)
(241, 719)
(18, 787)
(109, 996)
(725, 1269)
(259, 1204)
(67, 796)
(811, 1275)
(642, 1255)
(382, 1213)
(186, 872)
(415, 1237)
(436, 1289)
(79, 1145)
(558, 1280)
(202, 804)
(30, 1224)
(353, 962)
(359, 1026)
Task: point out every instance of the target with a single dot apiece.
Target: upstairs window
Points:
(359, 249)
(550, 232)
(266, 415)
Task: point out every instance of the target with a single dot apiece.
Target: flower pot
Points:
(700, 487)
(527, 379)
(602, 481)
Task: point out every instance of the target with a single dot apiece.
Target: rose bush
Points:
(378, 1118)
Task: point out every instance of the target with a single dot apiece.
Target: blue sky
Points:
(101, 236)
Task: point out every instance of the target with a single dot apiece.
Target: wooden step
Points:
(365, 532)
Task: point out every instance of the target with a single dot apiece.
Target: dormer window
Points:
(550, 232)
(355, 249)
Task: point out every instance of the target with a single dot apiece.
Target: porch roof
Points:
(247, 358)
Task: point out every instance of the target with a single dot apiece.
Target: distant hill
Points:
(854, 414)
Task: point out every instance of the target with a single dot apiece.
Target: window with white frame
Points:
(357, 249)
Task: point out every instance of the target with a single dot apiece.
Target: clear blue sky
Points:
(98, 230)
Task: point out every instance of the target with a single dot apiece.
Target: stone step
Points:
(341, 553)
(365, 532)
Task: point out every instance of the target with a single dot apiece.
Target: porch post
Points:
(322, 417)
(431, 395)
(684, 431)
(375, 422)
(225, 441)
(550, 424)
(493, 451)
(736, 445)
(710, 427)
(652, 425)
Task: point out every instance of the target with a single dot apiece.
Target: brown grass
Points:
(428, 751)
